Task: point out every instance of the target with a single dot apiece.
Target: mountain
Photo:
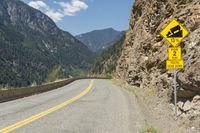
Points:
(107, 60)
(32, 46)
(99, 40)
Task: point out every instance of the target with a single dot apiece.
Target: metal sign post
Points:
(175, 92)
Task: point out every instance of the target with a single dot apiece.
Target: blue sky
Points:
(80, 16)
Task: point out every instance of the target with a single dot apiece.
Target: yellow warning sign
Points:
(175, 64)
(174, 33)
(174, 53)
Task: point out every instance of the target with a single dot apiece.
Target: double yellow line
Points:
(46, 112)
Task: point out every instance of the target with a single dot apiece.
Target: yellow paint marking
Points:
(46, 112)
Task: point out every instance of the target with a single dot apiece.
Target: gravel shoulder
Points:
(157, 111)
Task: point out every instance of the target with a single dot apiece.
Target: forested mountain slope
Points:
(32, 46)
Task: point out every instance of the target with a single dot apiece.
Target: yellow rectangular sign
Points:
(174, 53)
(175, 64)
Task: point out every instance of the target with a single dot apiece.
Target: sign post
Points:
(175, 93)
(174, 33)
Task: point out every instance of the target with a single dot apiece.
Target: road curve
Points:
(83, 106)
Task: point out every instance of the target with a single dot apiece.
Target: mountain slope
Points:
(98, 40)
(32, 46)
(107, 60)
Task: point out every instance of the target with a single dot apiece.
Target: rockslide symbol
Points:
(175, 32)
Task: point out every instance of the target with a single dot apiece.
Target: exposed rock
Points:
(196, 99)
(187, 106)
(143, 58)
(190, 109)
(180, 104)
(144, 55)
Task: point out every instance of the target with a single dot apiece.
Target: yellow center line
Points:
(46, 112)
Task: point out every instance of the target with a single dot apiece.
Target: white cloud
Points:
(67, 8)
(38, 4)
(56, 16)
(71, 8)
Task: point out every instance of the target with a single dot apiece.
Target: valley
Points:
(103, 78)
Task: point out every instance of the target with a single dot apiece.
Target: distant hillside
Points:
(32, 47)
(107, 61)
(98, 40)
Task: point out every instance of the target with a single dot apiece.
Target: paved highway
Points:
(84, 106)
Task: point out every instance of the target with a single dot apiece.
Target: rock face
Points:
(31, 45)
(143, 58)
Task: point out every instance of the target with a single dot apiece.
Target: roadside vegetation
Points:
(54, 74)
(132, 89)
(148, 129)
(5, 87)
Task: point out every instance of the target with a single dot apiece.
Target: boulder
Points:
(187, 106)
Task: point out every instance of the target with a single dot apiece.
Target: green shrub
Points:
(54, 74)
(34, 84)
(109, 75)
(148, 129)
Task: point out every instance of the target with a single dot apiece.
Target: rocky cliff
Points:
(144, 55)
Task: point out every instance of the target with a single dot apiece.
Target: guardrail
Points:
(12, 94)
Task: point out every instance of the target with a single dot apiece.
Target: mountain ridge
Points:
(32, 46)
(98, 40)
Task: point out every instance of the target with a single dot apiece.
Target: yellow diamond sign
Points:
(174, 33)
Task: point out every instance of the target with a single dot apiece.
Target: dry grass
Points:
(3, 89)
(133, 89)
(57, 80)
(147, 95)
(148, 129)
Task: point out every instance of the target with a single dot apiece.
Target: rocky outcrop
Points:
(189, 108)
(143, 58)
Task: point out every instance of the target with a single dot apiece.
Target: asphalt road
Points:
(84, 106)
